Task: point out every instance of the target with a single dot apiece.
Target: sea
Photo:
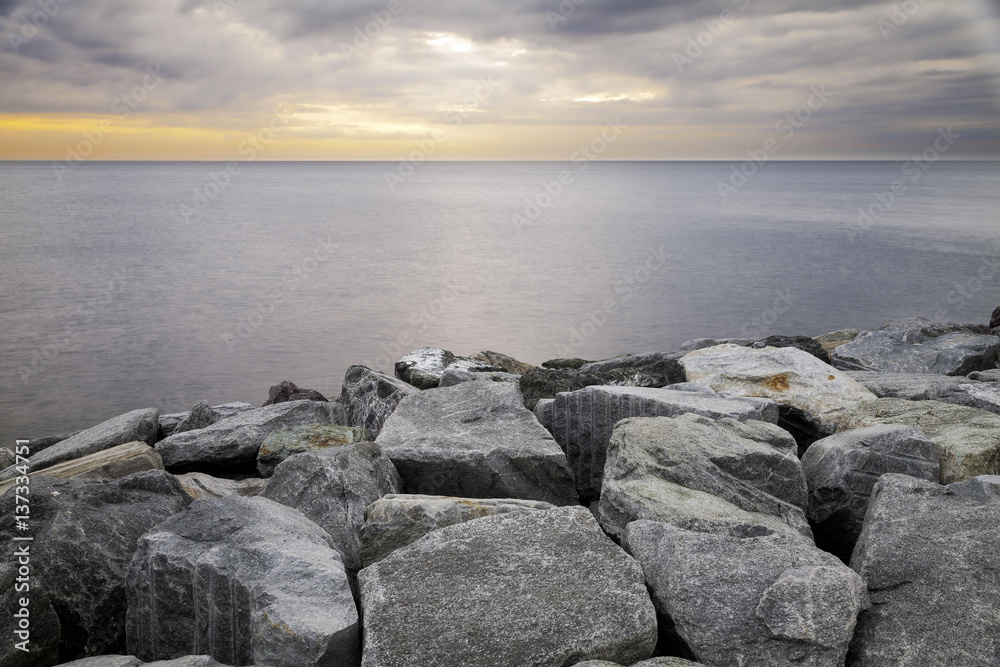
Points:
(127, 285)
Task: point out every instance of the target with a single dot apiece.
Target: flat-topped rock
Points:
(582, 421)
(926, 387)
(453, 376)
(236, 440)
(505, 362)
(287, 442)
(369, 397)
(397, 520)
(263, 578)
(696, 472)
(929, 556)
(113, 463)
(543, 587)
(475, 440)
(967, 440)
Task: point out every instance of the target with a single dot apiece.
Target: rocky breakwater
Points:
(783, 501)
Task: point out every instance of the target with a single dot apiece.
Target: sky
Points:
(497, 79)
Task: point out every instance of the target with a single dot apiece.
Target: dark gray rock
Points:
(696, 472)
(657, 364)
(702, 343)
(395, 521)
(38, 444)
(929, 556)
(129, 661)
(7, 458)
(244, 580)
(749, 598)
(926, 387)
(287, 391)
(991, 375)
(236, 440)
(423, 368)
(36, 645)
(804, 343)
(453, 376)
(288, 442)
(200, 416)
(842, 470)
(475, 440)
(995, 320)
(525, 588)
(652, 662)
(369, 397)
(574, 363)
(333, 488)
(84, 532)
(136, 425)
(544, 412)
(169, 422)
(917, 345)
(582, 421)
(546, 383)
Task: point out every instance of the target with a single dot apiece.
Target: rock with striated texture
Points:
(544, 412)
(840, 336)
(453, 376)
(263, 578)
(659, 364)
(395, 521)
(475, 440)
(236, 440)
(702, 343)
(575, 363)
(995, 320)
(804, 343)
(582, 421)
(136, 425)
(198, 485)
(168, 423)
(287, 391)
(807, 390)
(423, 368)
(917, 345)
(929, 556)
(7, 458)
(748, 598)
(967, 440)
(333, 488)
(84, 532)
(991, 375)
(114, 463)
(506, 363)
(842, 470)
(129, 661)
(696, 472)
(542, 588)
(369, 397)
(546, 383)
(927, 387)
(287, 442)
(652, 662)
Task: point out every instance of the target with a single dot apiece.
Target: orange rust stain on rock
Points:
(778, 383)
(831, 377)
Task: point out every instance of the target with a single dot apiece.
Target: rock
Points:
(991, 375)
(841, 336)
(423, 368)
(287, 391)
(187, 661)
(539, 588)
(919, 346)
(169, 422)
(260, 577)
(136, 425)
(582, 421)
(38, 444)
(453, 376)
(967, 440)
(129, 661)
(7, 458)
(995, 319)
(574, 363)
(696, 472)
(652, 662)
(198, 485)
(929, 556)
(544, 383)
(235, 441)
(702, 343)
(748, 598)
(502, 361)
(396, 521)
(804, 343)
(114, 463)
(807, 390)
(200, 416)
(475, 440)
(842, 470)
(369, 397)
(924, 387)
(656, 364)
(544, 412)
(333, 488)
(286, 442)
(42, 633)
(84, 532)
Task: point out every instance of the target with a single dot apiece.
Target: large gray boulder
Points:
(968, 440)
(582, 421)
(84, 534)
(244, 580)
(539, 588)
(113, 463)
(235, 441)
(475, 440)
(369, 397)
(926, 387)
(807, 389)
(333, 488)
(136, 425)
(423, 368)
(696, 472)
(286, 442)
(169, 423)
(749, 598)
(917, 345)
(929, 556)
(397, 520)
(841, 471)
